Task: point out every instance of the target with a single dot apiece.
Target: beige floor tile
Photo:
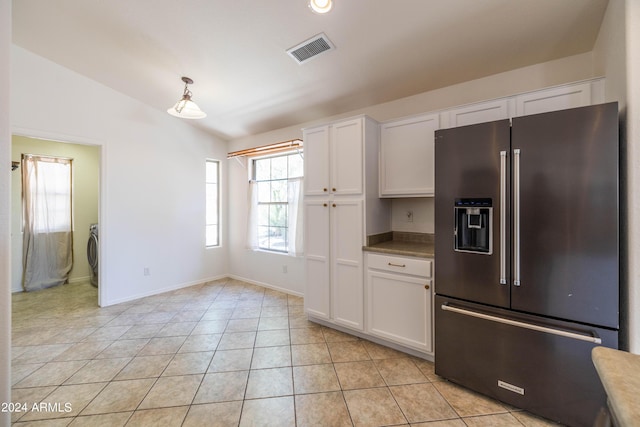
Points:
(377, 351)
(192, 315)
(145, 367)
(427, 368)
(71, 335)
(118, 419)
(242, 325)
(157, 317)
(272, 323)
(231, 360)
(222, 387)
(217, 314)
(332, 335)
(205, 327)
(189, 363)
(468, 403)
(529, 420)
(195, 343)
(446, 423)
(271, 412)
(59, 422)
(272, 338)
(269, 383)
(373, 406)
(307, 336)
(237, 340)
(20, 372)
(119, 396)
(172, 391)
(41, 353)
(301, 321)
(83, 351)
(322, 409)
(225, 414)
(399, 371)
(66, 401)
(315, 379)
(176, 329)
(274, 311)
(26, 397)
(53, 373)
(498, 420)
(99, 370)
(162, 345)
(123, 348)
(142, 331)
(126, 319)
(347, 351)
(310, 354)
(165, 417)
(108, 333)
(271, 357)
(246, 312)
(353, 375)
(422, 402)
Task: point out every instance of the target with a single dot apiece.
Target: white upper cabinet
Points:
(335, 159)
(557, 98)
(346, 148)
(478, 113)
(407, 156)
(316, 151)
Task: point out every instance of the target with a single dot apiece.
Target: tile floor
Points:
(224, 353)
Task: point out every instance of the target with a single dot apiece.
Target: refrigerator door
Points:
(568, 214)
(471, 177)
(526, 361)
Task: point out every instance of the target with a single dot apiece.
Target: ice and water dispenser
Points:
(473, 226)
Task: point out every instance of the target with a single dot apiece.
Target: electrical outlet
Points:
(146, 271)
(409, 216)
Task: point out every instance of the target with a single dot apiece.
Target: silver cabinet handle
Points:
(503, 217)
(519, 324)
(516, 217)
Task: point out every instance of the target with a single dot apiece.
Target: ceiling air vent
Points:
(311, 48)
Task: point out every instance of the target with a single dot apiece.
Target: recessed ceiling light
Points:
(320, 6)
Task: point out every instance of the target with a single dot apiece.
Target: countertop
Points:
(401, 243)
(619, 372)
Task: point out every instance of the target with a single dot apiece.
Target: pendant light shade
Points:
(185, 108)
(321, 6)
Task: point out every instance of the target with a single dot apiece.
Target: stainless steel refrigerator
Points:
(527, 258)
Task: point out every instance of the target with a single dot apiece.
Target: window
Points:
(277, 186)
(212, 182)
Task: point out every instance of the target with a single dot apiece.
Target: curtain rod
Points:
(266, 149)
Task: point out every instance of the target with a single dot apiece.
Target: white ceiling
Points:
(234, 50)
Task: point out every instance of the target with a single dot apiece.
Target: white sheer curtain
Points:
(252, 220)
(47, 249)
(295, 217)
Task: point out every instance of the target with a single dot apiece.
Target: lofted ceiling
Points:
(235, 50)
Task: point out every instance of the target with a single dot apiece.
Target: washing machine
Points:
(92, 253)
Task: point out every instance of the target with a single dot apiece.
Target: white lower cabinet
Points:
(399, 298)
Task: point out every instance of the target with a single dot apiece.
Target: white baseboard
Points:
(266, 285)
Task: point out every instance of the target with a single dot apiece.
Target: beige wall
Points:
(5, 247)
(86, 164)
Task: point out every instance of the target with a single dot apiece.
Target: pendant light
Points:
(185, 108)
(320, 6)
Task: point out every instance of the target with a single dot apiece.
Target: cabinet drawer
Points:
(413, 266)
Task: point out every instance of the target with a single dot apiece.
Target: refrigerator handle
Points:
(525, 325)
(516, 217)
(503, 217)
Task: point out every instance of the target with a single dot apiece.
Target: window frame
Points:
(207, 183)
(253, 177)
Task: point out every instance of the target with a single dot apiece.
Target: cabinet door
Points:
(316, 166)
(399, 309)
(317, 300)
(558, 98)
(407, 157)
(347, 157)
(347, 264)
(479, 113)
